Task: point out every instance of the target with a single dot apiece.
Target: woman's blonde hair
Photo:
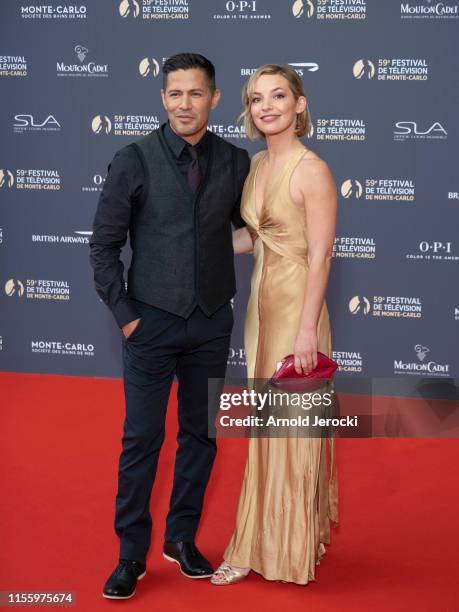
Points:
(303, 121)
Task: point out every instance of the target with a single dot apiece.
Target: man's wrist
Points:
(124, 313)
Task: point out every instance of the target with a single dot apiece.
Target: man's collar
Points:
(177, 143)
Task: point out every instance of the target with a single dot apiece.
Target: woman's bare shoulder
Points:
(257, 156)
(310, 165)
(313, 178)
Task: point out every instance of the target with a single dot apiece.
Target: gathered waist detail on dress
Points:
(297, 255)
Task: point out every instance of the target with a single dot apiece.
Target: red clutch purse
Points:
(286, 378)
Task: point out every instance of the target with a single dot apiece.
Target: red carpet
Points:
(395, 549)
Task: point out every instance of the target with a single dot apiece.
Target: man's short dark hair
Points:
(186, 61)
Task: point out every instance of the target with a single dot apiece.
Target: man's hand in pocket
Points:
(130, 327)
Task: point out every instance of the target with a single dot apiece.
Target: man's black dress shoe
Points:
(122, 582)
(192, 563)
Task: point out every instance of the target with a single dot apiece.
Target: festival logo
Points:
(125, 125)
(330, 10)
(13, 65)
(359, 304)
(101, 124)
(340, 129)
(351, 188)
(364, 69)
(6, 179)
(14, 287)
(39, 289)
(434, 250)
(82, 69)
(379, 190)
(148, 66)
(303, 8)
(348, 361)
(393, 306)
(25, 123)
(354, 247)
(155, 9)
(423, 366)
(129, 8)
(36, 179)
(428, 9)
(241, 10)
(392, 69)
(411, 130)
(48, 11)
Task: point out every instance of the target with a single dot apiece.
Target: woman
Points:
(289, 205)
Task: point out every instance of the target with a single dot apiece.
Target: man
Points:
(176, 191)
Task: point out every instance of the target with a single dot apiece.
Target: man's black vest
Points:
(182, 252)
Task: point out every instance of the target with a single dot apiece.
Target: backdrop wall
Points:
(79, 81)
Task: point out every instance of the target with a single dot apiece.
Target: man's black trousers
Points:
(164, 344)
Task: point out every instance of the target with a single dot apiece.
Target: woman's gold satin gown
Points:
(287, 497)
